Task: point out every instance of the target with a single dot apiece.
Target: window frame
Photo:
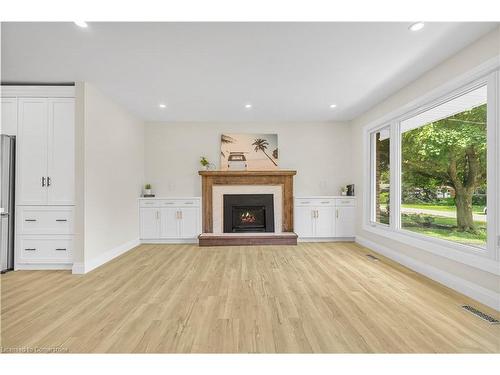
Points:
(486, 259)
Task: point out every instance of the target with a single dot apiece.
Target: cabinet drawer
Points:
(316, 202)
(180, 203)
(345, 202)
(45, 250)
(305, 202)
(45, 220)
(149, 203)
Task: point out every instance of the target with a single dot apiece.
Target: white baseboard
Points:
(78, 268)
(87, 266)
(42, 266)
(170, 241)
(326, 239)
(486, 296)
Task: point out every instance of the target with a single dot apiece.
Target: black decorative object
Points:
(350, 190)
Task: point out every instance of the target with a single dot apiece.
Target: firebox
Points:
(248, 213)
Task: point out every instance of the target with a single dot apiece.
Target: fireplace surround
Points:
(216, 184)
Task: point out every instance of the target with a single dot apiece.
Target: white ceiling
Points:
(209, 71)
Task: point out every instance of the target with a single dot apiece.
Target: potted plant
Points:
(147, 189)
(204, 162)
(343, 191)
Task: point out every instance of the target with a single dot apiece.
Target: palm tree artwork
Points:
(244, 151)
(261, 145)
(225, 139)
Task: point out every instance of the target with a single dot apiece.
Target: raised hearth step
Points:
(246, 239)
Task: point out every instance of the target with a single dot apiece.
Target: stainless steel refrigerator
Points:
(7, 178)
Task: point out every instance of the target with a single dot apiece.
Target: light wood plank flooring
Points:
(315, 297)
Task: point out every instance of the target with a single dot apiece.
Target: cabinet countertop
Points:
(166, 198)
(326, 197)
(300, 197)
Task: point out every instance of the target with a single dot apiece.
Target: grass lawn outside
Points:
(446, 229)
(443, 227)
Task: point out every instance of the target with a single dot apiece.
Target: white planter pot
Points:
(147, 191)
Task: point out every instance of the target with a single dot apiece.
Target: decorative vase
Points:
(147, 191)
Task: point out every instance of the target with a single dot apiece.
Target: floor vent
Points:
(372, 257)
(480, 314)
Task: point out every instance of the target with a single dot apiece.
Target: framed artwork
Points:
(251, 152)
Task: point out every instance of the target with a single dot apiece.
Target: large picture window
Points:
(443, 165)
(429, 171)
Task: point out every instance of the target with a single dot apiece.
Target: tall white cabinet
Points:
(45, 177)
(9, 116)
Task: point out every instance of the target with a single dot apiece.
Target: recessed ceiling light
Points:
(416, 26)
(248, 106)
(82, 24)
(333, 106)
(162, 105)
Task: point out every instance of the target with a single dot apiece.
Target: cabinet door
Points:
(150, 223)
(31, 163)
(344, 221)
(61, 151)
(190, 222)
(324, 225)
(303, 221)
(9, 116)
(169, 222)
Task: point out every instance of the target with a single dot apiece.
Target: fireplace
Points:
(248, 213)
(275, 215)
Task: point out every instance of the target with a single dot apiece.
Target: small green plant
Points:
(147, 186)
(203, 161)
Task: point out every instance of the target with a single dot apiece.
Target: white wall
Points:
(320, 152)
(479, 282)
(113, 173)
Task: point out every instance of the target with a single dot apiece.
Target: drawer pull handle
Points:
(169, 202)
(30, 220)
(61, 220)
(188, 202)
(61, 249)
(30, 249)
(305, 202)
(325, 202)
(346, 202)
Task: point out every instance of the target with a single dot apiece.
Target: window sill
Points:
(470, 256)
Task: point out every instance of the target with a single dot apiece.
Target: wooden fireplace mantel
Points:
(273, 177)
(278, 172)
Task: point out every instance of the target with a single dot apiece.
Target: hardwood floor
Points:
(314, 297)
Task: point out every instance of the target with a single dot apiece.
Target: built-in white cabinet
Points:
(43, 120)
(149, 222)
(314, 218)
(344, 221)
(9, 116)
(189, 223)
(61, 152)
(169, 219)
(324, 217)
(45, 151)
